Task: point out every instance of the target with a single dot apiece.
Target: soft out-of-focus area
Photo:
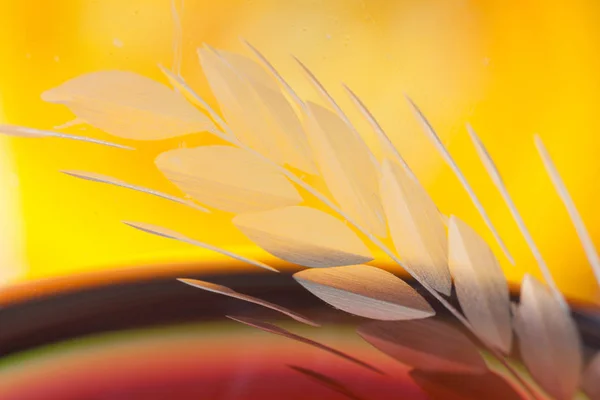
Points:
(213, 361)
(510, 68)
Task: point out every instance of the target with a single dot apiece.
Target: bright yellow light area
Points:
(510, 68)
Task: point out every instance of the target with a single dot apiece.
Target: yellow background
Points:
(512, 68)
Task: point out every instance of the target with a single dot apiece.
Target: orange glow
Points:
(510, 68)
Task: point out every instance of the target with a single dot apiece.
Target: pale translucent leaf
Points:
(339, 113)
(346, 166)
(286, 125)
(389, 150)
(445, 386)
(480, 284)
(266, 121)
(224, 290)
(416, 227)
(561, 189)
(36, 133)
(591, 378)
(267, 327)
(333, 104)
(494, 174)
(304, 236)
(430, 132)
(249, 69)
(277, 75)
(281, 121)
(181, 85)
(366, 291)
(169, 234)
(228, 178)
(425, 344)
(326, 381)
(318, 86)
(94, 177)
(549, 340)
(240, 105)
(129, 105)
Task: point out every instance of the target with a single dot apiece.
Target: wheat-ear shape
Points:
(269, 212)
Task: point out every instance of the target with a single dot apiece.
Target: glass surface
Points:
(90, 308)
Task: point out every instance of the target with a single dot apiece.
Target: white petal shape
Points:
(425, 344)
(480, 284)
(444, 386)
(256, 109)
(346, 166)
(36, 133)
(169, 234)
(591, 378)
(304, 236)
(416, 227)
(129, 105)
(549, 340)
(267, 327)
(94, 177)
(224, 290)
(228, 178)
(365, 291)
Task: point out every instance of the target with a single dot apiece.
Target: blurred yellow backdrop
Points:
(511, 68)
